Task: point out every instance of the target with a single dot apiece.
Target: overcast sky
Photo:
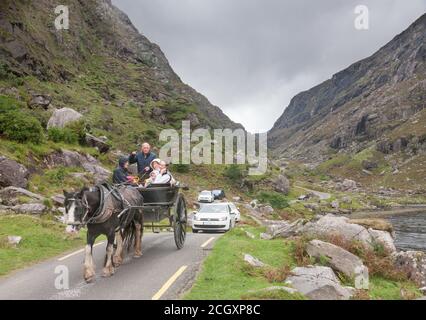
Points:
(250, 57)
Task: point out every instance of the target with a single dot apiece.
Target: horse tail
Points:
(129, 236)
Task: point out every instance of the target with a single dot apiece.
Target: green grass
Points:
(384, 289)
(224, 274)
(42, 238)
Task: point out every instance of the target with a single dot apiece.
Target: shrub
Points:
(275, 199)
(63, 135)
(233, 173)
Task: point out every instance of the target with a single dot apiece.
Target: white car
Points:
(213, 217)
(205, 196)
(235, 210)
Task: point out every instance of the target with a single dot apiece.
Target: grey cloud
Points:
(250, 57)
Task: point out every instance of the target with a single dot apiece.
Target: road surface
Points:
(163, 272)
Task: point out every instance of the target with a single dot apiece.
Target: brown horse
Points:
(107, 211)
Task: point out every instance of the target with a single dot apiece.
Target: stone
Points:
(318, 283)
(236, 199)
(254, 203)
(338, 226)
(40, 101)
(337, 258)
(276, 288)
(374, 223)
(61, 117)
(58, 199)
(335, 204)
(74, 159)
(346, 185)
(97, 143)
(10, 195)
(29, 208)
(159, 115)
(311, 206)
(346, 200)
(254, 262)
(265, 236)
(384, 238)
(16, 49)
(414, 263)
(285, 229)
(14, 240)
(265, 209)
(12, 173)
(281, 184)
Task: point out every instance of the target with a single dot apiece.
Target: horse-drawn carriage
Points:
(163, 202)
(121, 212)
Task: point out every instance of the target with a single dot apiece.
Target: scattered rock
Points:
(254, 203)
(339, 226)
(414, 263)
(374, 223)
(14, 240)
(311, 206)
(12, 173)
(285, 229)
(265, 209)
(384, 238)
(276, 288)
(369, 165)
(10, 195)
(346, 200)
(236, 199)
(29, 208)
(335, 204)
(97, 143)
(254, 262)
(337, 258)
(40, 101)
(61, 117)
(159, 115)
(281, 184)
(318, 283)
(58, 199)
(194, 121)
(265, 236)
(346, 185)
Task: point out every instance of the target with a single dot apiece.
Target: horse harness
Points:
(103, 213)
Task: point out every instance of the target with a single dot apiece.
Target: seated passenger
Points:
(159, 174)
(121, 174)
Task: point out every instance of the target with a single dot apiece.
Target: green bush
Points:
(18, 125)
(233, 173)
(275, 199)
(63, 135)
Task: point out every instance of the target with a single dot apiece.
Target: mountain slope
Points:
(102, 67)
(379, 101)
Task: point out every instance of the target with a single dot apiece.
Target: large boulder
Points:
(61, 117)
(97, 143)
(337, 258)
(374, 223)
(331, 225)
(281, 184)
(253, 261)
(11, 196)
(74, 159)
(12, 173)
(318, 283)
(414, 263)
(384, 238)
(283, 229)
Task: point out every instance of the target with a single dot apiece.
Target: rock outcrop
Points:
(61, 117)
(12, 173)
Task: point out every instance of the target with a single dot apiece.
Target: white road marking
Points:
(169, 282)
(207, 242)
(78, 251)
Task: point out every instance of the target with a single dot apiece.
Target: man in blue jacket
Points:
(143, 158)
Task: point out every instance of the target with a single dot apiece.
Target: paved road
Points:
(163, 272)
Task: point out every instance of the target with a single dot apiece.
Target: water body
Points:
(410, 230)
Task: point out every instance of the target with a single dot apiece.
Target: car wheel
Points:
(195, 231)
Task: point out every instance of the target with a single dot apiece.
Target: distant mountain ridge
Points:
(371, 101)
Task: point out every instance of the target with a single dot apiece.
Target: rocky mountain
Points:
(378, 103)
(102, 67)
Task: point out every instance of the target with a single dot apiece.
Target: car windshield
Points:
(215, 208)
(206, 193)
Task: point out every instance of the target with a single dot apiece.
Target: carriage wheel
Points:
(180, 221)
